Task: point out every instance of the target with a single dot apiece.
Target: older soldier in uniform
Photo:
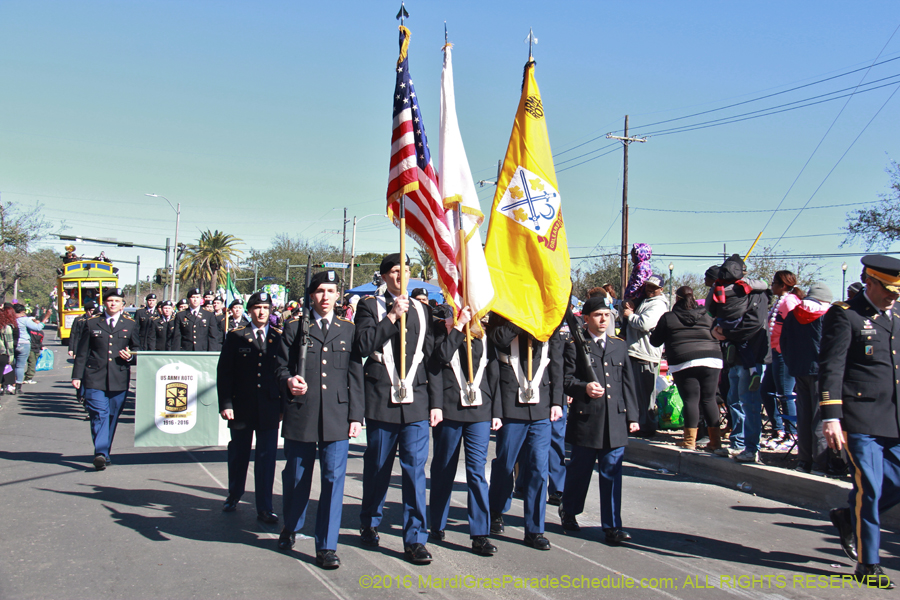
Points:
(143, 316)
(397, 411)
(196, 330)
(103, 367)
(250, 400)
(469, 416)
(858, 387)
(529, 404)
(325, 406)
(604, 410)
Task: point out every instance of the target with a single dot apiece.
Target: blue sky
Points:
(270, 117)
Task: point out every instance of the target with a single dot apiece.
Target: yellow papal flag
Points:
(526, 248)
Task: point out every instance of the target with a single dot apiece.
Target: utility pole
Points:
(626, 141)
(344, 252)
(137, 281)
(352, 253)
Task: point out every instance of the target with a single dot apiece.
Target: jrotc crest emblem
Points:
(176, 397)
(532, 203)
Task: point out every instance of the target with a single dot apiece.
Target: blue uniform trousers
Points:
(535, 437)
(876, 476)
(447, 441)
(263, 465)
(578, 480)
(557, 461)
(300, 459)
(383, 442)
(104, 409)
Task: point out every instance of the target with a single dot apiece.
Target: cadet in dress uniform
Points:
(467, 418)
(236, 316)
(859, 386)
(397, 412)
(162, 328)
(324, 408)
(78, 324)
(197, 329)
(604, 410)
(142, 317)
(103, 367)
(250, 400)
(528, 407)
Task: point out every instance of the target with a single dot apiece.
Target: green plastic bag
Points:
(671, 408)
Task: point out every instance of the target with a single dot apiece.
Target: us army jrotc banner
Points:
(526, 248)
(175, 400)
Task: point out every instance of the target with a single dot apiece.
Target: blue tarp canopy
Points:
(434, 292)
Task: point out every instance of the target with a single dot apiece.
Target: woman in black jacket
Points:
(695, 361)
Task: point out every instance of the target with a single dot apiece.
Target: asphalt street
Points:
(151, 526)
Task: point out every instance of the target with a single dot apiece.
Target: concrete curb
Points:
(811, 491)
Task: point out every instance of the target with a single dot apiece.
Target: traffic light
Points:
(161, 277)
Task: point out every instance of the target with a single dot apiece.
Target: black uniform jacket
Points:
(97, 361)
(335, 394)
(600, 422)
(142, 317)
(159, 336)
(449, 344)
(248, 379)
(199, 334)
(75, 331)
(501, 333)
(859, 368)
(371, 336)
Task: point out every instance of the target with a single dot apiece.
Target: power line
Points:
(766, 210)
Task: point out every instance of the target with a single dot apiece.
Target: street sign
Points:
(334, 265)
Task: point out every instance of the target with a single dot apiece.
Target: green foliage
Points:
(879, 226)
(209, 260)
(19, 231)
(423, 265)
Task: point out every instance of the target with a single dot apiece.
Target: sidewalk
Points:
(784, 485)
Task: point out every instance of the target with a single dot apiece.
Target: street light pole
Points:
(353, 243)
(844, 282)
(671, 286)
(175, 252)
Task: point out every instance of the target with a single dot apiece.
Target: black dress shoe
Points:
(614, 537)
(99, 462)
(327, 559)
(437, 535)
(568, 521)
(840, 518)
(483, 546)
(369, 536)
(286, 540)
(803, 467)
(267, 516)
(555, 499)
(497, 524)
(519, 494)
(418, 554)
(537, 541)
(230, 504)
(872, 576)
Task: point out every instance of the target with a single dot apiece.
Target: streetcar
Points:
(82, 280)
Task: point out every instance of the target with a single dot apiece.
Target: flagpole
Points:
(531, 41)
(464, 288)
(403, 287)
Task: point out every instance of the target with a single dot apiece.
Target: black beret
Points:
(90, 305)
(319, 278)
(151, 297)
(209, 293)
(236, 302)
(418, 292)
(182, 301)
(594, 304)
(114, 293)
(259, 298)
(194, 292)
(166, 303)
(390, 261)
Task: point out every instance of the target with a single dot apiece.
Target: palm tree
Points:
(425, 265)
(210, 258)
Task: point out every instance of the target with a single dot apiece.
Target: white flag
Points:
(459, 196)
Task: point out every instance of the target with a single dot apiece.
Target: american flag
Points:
(412, 175)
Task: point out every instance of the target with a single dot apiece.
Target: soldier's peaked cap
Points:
(885, 269)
